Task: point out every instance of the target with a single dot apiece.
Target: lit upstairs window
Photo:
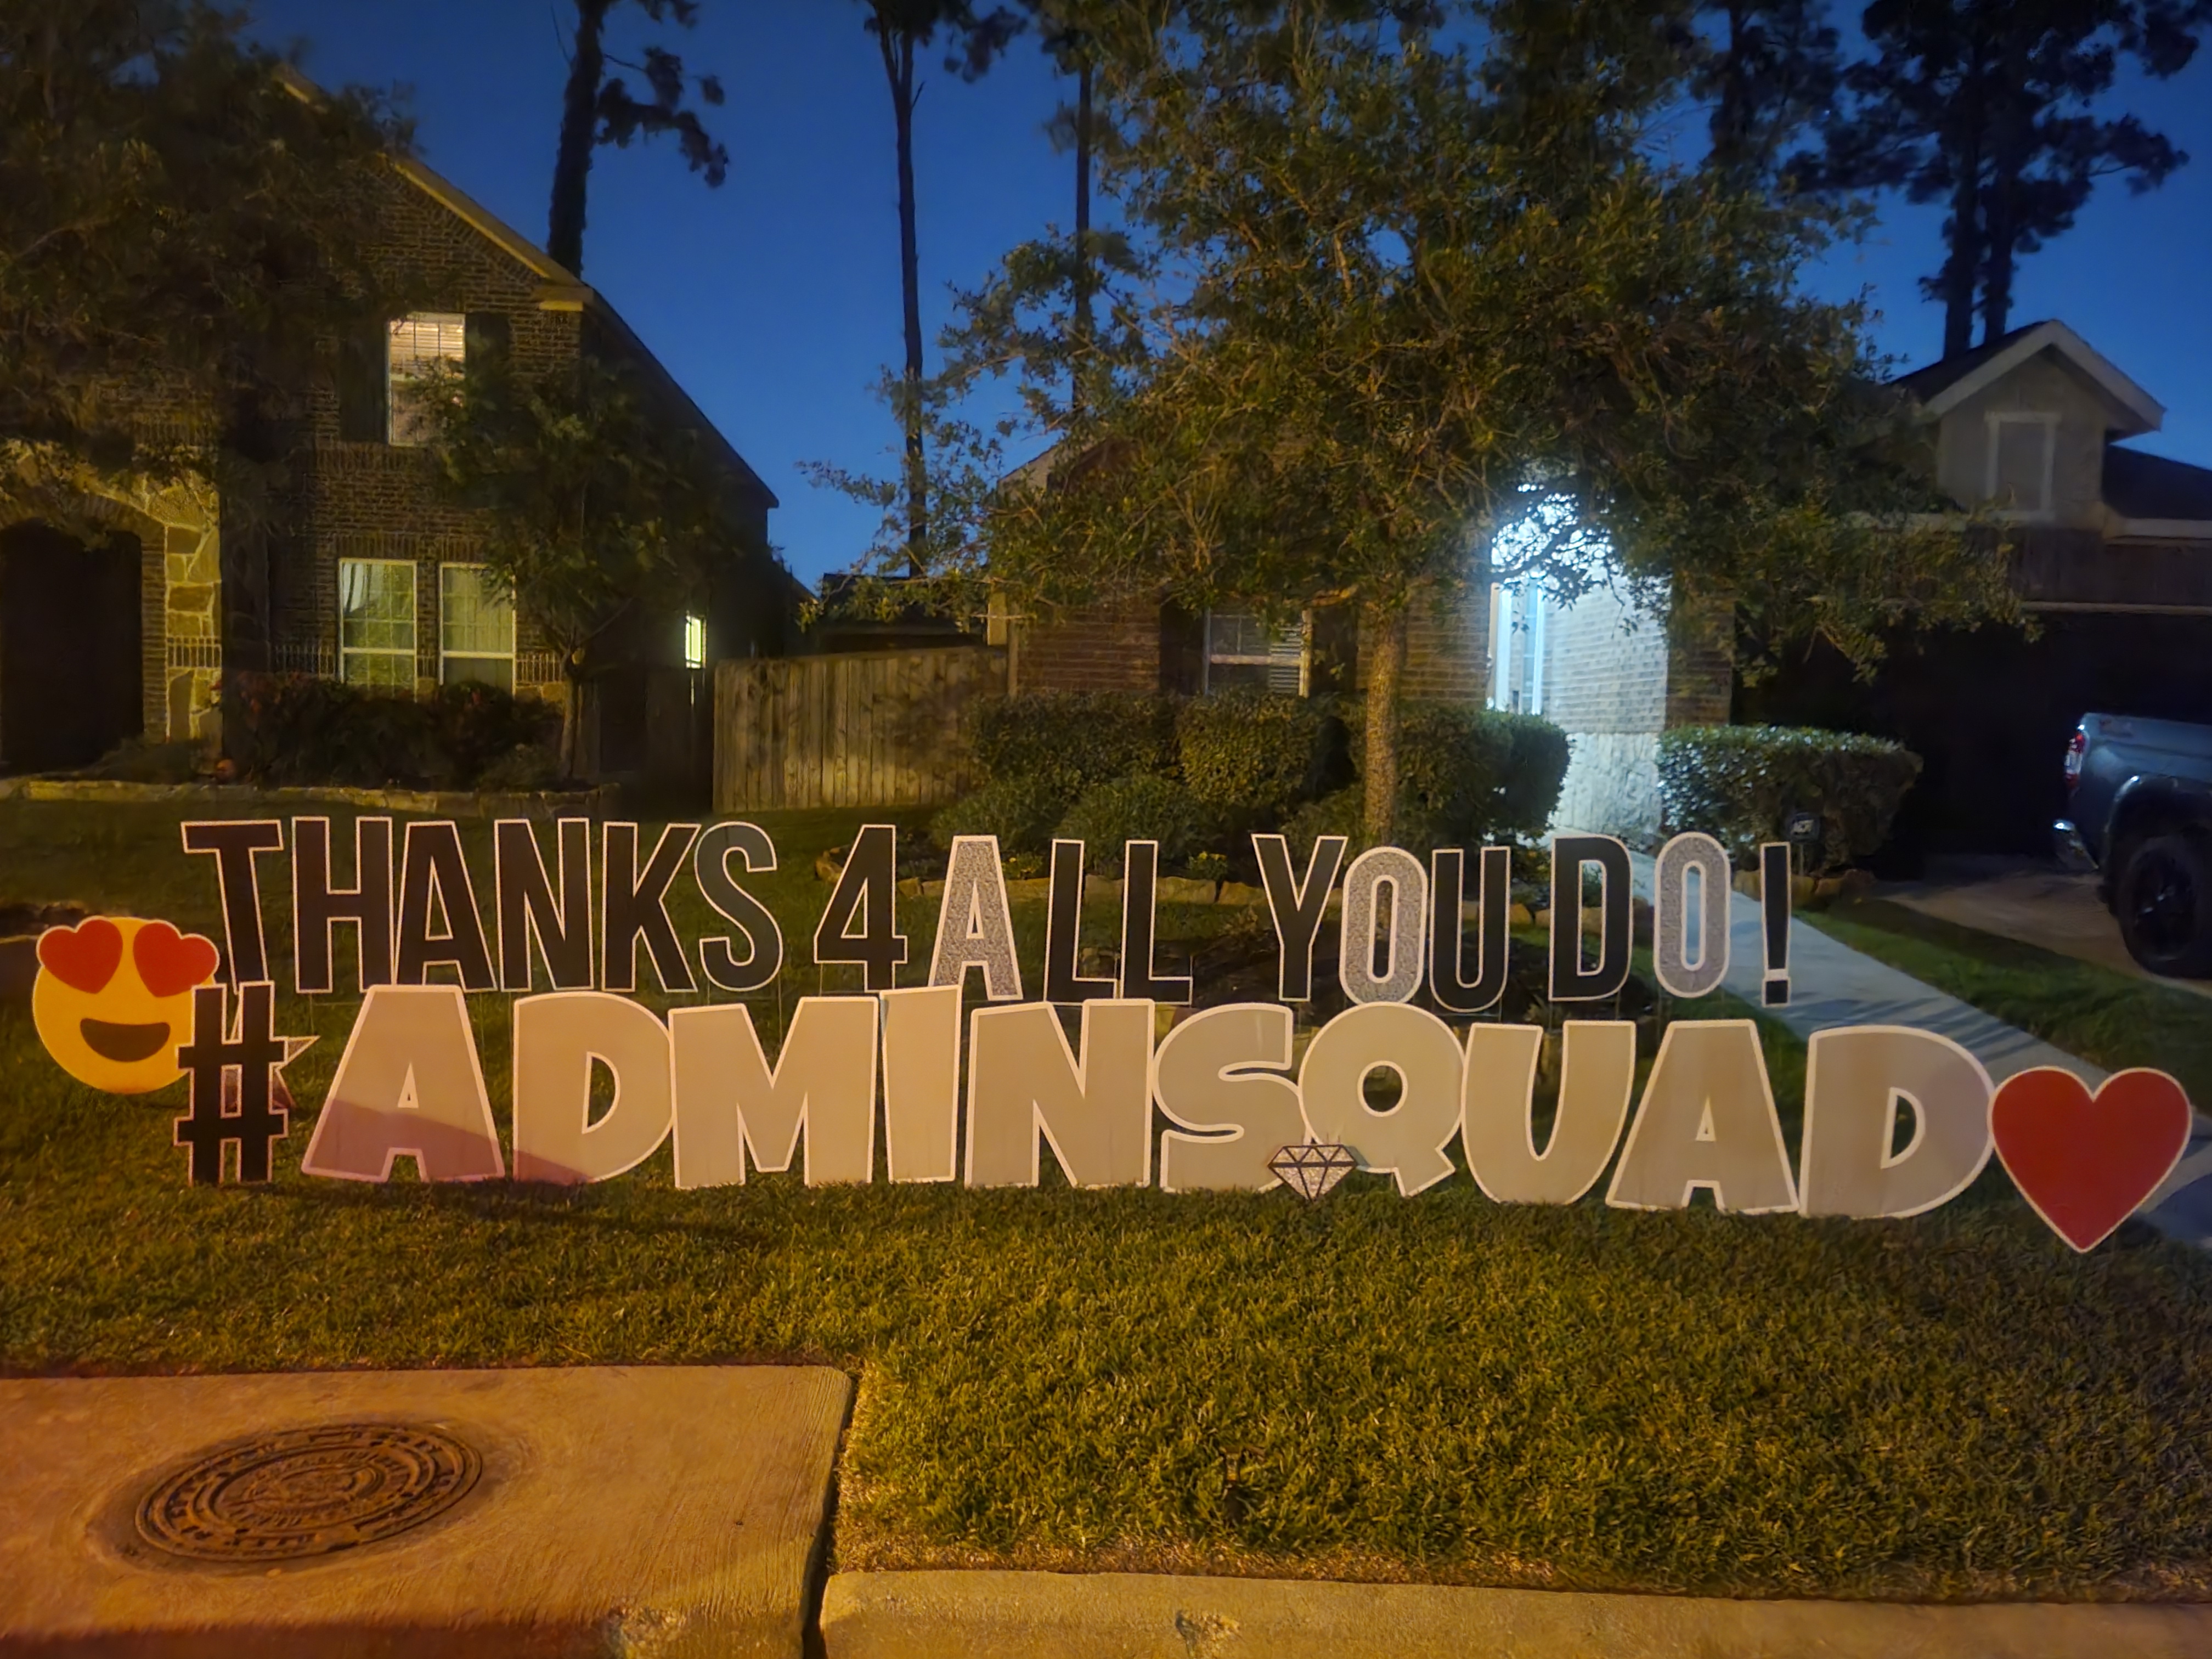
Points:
(419, 342)
(695, 641)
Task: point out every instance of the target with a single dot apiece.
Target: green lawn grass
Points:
(2109, 1019)
(1431, 1389)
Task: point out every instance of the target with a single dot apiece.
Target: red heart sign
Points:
(170, 962)
(2085, 1161)
(83, 957)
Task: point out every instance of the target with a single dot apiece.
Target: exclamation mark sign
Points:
(1774, 916)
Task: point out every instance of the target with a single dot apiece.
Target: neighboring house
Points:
(2112, 554)
(356, 569)
(1611, 684)
(1157, 645)
(2112, 560)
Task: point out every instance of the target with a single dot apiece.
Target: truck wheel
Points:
(2165, 905)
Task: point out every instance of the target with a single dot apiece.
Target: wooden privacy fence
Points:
(861, 728)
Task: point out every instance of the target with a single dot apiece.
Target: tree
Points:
(901, 28)
(1989, 105)
(589, 505)
(1775, 68)
(598, 109)
(1404, 300)
(182, 221)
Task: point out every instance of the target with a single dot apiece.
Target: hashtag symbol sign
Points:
(254, 1055)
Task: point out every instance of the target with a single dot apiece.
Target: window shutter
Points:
(363, 363)
(486, 335)
(1183, 649)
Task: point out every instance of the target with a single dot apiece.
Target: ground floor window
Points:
(1516, 647)
(376, 622)
(1243, 652)
(475, 628)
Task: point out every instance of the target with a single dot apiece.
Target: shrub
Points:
(1140, 808)
(300, 729)
(1529, 793)
(1021, 812)
(1073, 740)
(1337, 814)
(1208, 866)
(1471, 777)
(1739, 784)
(525, 769)
(1252, 756)
(479, 726)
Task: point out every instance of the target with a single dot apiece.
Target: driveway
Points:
(2034, 903)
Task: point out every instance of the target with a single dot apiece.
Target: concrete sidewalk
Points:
(670, 1511)
(1831, 984)
(1042, 1615)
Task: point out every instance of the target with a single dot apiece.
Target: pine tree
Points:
(597, 108)
(1773, 69)
(1991, 106)
(903, 28)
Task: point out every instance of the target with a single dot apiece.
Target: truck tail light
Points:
(2076, 747)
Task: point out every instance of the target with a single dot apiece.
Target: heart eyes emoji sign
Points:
(113, 999)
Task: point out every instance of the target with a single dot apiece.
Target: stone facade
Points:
(1616, 677)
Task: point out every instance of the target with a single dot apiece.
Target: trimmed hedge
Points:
(1252, 754)
(1245, 761)
(1072, 740)
(1021, 812)
(1140, 808)
(300, 729)
(1471, 777)
(1739, 784)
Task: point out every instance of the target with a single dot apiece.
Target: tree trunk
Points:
(1385, 646)
(572, 719)
(2009, 137)
(579, 120)
(1962, 271)
(898, 65)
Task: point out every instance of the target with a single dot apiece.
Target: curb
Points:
(1042, 1615)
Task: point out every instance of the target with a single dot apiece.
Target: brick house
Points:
(355, 568)
(1611, 682)
(2112, 554)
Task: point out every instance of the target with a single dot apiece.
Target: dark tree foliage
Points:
(182, 220)
(1992, 107)
(597, 108)
(1772, 68)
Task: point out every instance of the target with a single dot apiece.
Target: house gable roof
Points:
(564, 290)
(1941, 387)
(2155, 487)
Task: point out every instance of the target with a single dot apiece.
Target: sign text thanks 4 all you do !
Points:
(587, 925)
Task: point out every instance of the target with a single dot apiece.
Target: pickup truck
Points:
(2140, 798)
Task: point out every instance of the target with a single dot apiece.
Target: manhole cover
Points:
(307, 1492)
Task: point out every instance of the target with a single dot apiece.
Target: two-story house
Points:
(2111, 551)
(355, 567)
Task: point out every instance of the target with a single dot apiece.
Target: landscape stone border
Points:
(595, 803)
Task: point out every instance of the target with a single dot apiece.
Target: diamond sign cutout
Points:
(1310, 1171)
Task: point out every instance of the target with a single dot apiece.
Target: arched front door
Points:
(69, 635)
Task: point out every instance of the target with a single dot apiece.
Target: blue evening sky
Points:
(776, 299)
